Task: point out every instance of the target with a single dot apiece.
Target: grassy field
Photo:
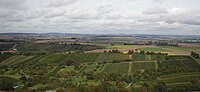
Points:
(143, 65)
(194, 48)
(156, 49)
(180, 50)
(120, 46)
(121, 68)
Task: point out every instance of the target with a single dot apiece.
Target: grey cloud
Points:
(55, 13)
(61, 17)
(186, 17)
(12, 4)
(58, 3)
(6, 12)
(83, 14)
(104, 9)
(159, 0)
(157, 10)
(183, 18)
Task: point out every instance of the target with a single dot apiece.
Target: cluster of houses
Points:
(8, 51)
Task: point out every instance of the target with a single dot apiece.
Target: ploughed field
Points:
(173, 70)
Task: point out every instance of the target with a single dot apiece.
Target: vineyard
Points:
(110, 57)
(91, 68)
(85, 67)
(121, 68)
(59, 58)
(140, 57)
(178, 78)
(181, 62)
(143, 65)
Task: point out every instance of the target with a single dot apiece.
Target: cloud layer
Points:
(99, 17)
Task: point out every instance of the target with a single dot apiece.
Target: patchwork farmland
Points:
(92, 67)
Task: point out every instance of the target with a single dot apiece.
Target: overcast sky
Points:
(173, 17)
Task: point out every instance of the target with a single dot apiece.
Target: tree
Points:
(195, 55)
(70, 62)
(82, 88)
(142, 52)
(161, 87)
(104, 87)
(61, 90)
(90, 75)
(23, 78)
(127, 78)
(130, 52)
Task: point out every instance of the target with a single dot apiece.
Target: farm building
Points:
(9, 51)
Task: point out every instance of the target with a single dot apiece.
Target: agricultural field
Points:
(60, 58)
(193, 48)
(171, 79)
(163, 49)
(144, 65)
(120, 46)
(91, 68)
(53, 47)
(181, 62)
(156, 49)
(121, 68)
(15, 59)
(111, 56)
(4, 57)
(140, 57)
(98, 43)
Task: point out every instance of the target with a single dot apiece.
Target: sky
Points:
(166, 17)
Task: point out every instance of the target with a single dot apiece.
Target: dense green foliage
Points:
(5, 46)
(195, 55)
(53, 47)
